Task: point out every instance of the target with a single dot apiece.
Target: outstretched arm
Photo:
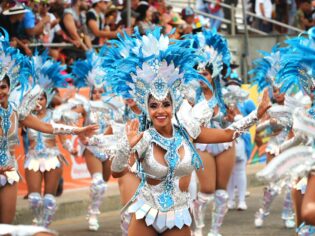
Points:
(33, 122)
(210, 135)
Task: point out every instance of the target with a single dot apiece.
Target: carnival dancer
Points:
(101, 109)
(239, 105)
(153, 73)
(14, 111)
(298, 70)
(297, 160)
(279, 122)
(218, 159)
(43, 160)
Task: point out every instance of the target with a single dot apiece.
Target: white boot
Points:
(97, 191)
(218, 212)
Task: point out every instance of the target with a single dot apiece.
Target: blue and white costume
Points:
(156, 66)
(91, 73)
(296, 157)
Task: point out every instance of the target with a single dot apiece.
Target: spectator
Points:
(159, 5)
(301, 21)
(95, 21)
(112, 18)
(134, 13)
(216, 10)
(144, 20)
(73, 25)
(52, 27)
(10, 20)
(4, 5)
(191, 25)
(264, 8)
(292, 13)
(281, 14)
(30, 29)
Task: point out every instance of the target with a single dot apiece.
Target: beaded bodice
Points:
(9, 137)
(99, 117)
(40, 138)
(175, 168)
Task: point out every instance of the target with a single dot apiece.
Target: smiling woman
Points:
(165, 154)
(160, 113)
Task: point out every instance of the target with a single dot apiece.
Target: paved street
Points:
(236, 223)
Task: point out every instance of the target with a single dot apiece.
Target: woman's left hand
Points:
(264, 104)
(86, 131)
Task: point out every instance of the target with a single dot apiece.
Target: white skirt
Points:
(145, 207)
(214, 148)
(44, 161)
(9, 177)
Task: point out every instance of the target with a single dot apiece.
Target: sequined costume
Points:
(142, 71)
(21, 102)
(27, 81)
(42, 157)
(9, 126)
(289, 70)
(159, 209)
(214, 121)
(279, 125)
(215, 49)
(102, 113)
(91, 73)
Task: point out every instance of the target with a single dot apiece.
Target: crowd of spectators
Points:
(297, 13)
(85, 23)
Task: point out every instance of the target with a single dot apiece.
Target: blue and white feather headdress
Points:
(12, 64)
(214, 48)
(298, 66)
(47, 73)
(267, 68)
(155, 66)
(89, 72)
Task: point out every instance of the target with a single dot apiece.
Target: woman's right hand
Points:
(132, 132)
(4, 169)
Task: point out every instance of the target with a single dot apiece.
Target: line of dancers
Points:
(162, 115)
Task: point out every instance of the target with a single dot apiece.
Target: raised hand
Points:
(132, 132)
(264, 104)
(87, 131)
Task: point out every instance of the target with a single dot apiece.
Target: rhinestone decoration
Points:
(5, 115)
(171, 145)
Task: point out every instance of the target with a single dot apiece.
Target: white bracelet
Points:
(62, 129)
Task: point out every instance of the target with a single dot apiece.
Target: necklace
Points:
(5, 126)
(171, 145)
(39, 142)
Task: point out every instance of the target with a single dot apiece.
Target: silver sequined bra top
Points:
(36, 136)
(155, 170)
